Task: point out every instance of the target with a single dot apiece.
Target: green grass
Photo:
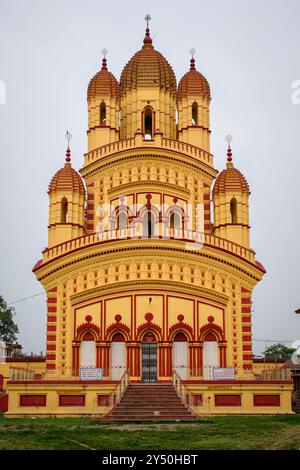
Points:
(226, 432)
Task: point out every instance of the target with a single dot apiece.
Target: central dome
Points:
(148, 68)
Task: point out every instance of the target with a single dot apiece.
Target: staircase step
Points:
(153, 402)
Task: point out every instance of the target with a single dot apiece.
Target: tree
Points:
(278, 351)
(8, 328)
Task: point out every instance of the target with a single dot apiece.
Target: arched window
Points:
(148, 224)
(118, 356)
(148, 123)
(102, 114)
(64, 211)
(233, 211)
(180, 355)
(88, 350)
(175, 221)
(195, 114)
(122, 219)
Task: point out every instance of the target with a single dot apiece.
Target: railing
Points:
(195, 240)
(185, 396)
(33, 373)
(213, 373)
(138, 141)
(116, 395)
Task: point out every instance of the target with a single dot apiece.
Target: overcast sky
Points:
(249, 51)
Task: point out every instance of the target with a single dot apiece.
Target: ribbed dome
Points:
(103, 83)
(148, 68)
(67, 179)
(193, 83)
(230, 179)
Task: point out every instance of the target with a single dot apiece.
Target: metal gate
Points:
(149, 362)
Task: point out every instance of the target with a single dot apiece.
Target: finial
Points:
(229, 139)
(192, 62)
(68, 136)
(104, 52)
(147, 39)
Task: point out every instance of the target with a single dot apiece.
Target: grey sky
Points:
(249, 52)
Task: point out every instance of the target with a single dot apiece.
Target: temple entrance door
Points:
(88, 351)
(118, 356)
(149, 359)
(210, 356)
(180, 355)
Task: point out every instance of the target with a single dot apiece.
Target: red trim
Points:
(266, 400)
(62, 382)
(71, 400)
(32, 400)
(228, 400)
(237, 382)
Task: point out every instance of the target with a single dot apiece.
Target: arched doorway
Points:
(149, 358)
(88, 351)
(210, 355)
(148, 224)
(180, 355)
(118, 356)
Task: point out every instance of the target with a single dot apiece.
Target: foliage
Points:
(8, 328)
(278, 351)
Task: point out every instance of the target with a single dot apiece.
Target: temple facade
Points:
(149, 269)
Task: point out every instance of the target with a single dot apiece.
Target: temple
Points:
(149, 269)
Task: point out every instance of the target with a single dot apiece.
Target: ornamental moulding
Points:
(138, 246)
(120, 287)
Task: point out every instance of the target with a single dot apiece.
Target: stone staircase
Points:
(149, 402)
(296, 406)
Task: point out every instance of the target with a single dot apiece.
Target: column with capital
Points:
(75, 358)
(222, 352)
(134, 360)
(165, 360)
(195, 358)
(103, 357)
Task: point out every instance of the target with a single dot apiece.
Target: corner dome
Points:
(230, 179)
(67, 179)
(148, 68)
(104, 83)
(193, 83)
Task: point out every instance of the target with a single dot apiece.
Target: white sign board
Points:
(223, 373)
(90, 373)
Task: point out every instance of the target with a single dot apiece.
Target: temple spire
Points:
(229, 139)
(68, 152)
(147, 38)
(104, 61)
(192, 61)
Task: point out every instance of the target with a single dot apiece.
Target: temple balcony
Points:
(158, 142)
(185, 239)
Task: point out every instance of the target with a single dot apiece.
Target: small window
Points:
(175, 221)
(148, 123)
(64, 211)
(102, 114)
(122, 219)
(148, 224)
(233, 211)
(195, 114)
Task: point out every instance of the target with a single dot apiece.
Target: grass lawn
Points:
(225, 432)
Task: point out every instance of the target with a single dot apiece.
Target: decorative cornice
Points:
(143, 154)
(180, 286)
(154, 251)
(173, 187)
